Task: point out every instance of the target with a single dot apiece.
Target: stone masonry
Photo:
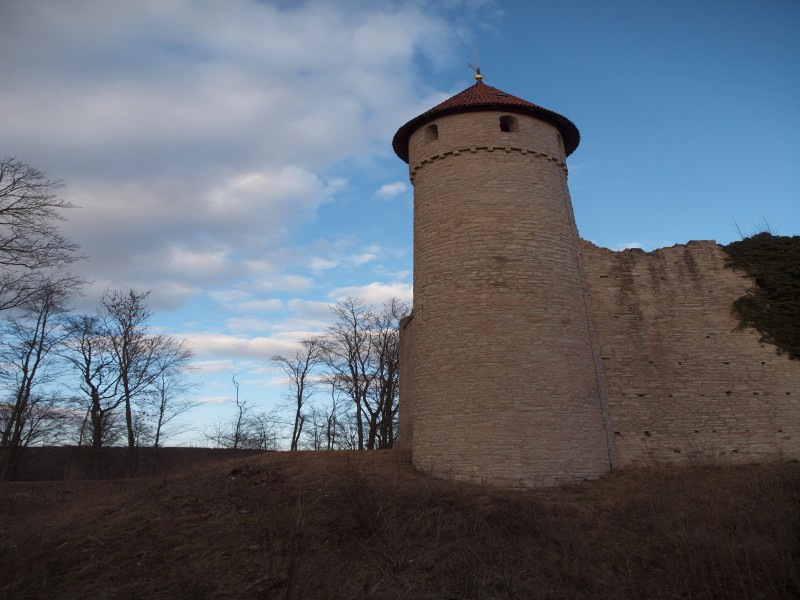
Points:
(685, 383)
(533, 357)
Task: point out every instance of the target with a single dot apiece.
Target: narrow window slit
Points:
(508, 123)
(431, 133)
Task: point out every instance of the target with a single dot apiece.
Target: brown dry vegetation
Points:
(365, 525)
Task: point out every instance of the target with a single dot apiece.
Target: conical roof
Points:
(480, 97)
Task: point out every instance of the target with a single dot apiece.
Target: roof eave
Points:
(569, 132)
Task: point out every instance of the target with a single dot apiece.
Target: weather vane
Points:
(477, 67)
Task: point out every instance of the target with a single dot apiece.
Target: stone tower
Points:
(501, 379)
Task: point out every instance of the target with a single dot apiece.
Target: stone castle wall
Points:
(682, 382)
(405, 427)
(685, 383)
(534, 357)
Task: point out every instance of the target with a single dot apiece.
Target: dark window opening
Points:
(431, 133)
(508, 123)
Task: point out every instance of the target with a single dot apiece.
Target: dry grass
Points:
(365, 525)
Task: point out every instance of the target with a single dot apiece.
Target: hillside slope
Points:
(365, 525)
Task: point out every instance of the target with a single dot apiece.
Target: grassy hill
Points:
(366, 525)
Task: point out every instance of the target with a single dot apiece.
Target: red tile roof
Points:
(485, 97)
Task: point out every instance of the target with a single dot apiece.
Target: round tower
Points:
(505, 382)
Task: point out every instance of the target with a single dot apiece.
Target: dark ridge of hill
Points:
(61, 463)
(366, 525)
(773, 305)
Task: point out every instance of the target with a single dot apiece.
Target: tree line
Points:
(344, 384)
(342, 388)
(90, 380)
(104, 378)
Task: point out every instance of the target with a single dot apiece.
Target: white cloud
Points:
(202, 259)
(216, 149)
(215, 399)
(311, 309)
(229, 296)
(646, 245)
(318, 264)
(212, 82)
(375, 293)
(239, 349)
(244, 199)
(629, 246)
(369, 254)
(282, 282)
(211, 345)
(196, 136)
(246, 324)
(336, 257)
(391, 190)
(261, 305)
(213, 366)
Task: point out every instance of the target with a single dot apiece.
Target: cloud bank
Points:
(196, 136)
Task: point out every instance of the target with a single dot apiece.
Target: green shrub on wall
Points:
(773, 305)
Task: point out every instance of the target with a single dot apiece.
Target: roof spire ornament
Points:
(477, 68)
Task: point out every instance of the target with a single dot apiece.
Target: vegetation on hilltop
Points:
(350, 525)
(773, 305)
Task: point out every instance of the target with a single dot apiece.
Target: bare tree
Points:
(122, 366)
(314, 432)
(124, 316)
(155, 418)
(298, 368)
(331, 425)
(33, 407)
(31, 246)
(345, 428)
(89, 351)
(362, 353)
(348, 354)
(385, 394)
(168, 400)
(139, 357)
(258, 432)
(334, 416)
(246, 430)
(242, 409)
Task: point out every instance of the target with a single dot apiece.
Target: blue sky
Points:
(234, 157)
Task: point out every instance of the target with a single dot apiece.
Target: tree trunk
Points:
(130, 468)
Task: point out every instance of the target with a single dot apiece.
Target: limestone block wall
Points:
(685, 384)
(506, 387)
(405, 424)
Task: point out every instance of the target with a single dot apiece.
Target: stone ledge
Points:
(474, 149)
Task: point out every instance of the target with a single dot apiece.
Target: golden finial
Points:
(477, 68)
